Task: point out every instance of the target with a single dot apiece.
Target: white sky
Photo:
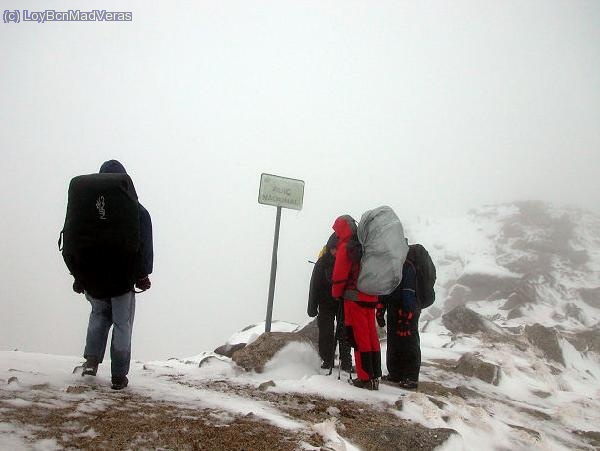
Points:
(431, 107)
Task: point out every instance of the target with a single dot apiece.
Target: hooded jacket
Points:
(146, 254)
(345, 271)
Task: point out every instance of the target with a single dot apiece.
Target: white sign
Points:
(281, 191)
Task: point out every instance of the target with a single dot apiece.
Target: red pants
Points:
(361, 332)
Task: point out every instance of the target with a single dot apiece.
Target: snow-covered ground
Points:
(514, 265)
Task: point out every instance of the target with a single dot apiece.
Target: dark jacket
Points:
(319, 295)
(146, 254)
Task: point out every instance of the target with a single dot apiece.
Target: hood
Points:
(332, 242)
(344, 227)
(112, 167)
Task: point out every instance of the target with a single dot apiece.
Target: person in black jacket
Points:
(327, 309)
(403, 356)
(117, 311)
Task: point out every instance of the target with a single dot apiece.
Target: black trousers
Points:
(403, 357)
(326, 321)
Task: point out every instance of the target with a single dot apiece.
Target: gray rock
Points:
(227, 350)
(255, 355)
(591, 296)
(13, 380)
(587, 340)
(311, 331)
(207, 360)
(524, 294)
(408, 437)
(462, 320)
(265, 385)
(515, 313)
(458, 295)
(546, 340)
(534, 434)
(574, 312)
(471, 365)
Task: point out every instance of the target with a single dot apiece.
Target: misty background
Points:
(429, 107)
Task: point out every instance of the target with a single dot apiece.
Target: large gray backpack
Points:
(384, 250)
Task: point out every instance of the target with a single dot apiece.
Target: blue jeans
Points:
(118, 312)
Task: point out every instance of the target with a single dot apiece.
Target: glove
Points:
(143, 284)
(312, 312)
(405, 322)
(380, 317)
(77, 287)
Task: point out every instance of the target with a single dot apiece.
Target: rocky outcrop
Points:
(227, 350)
(487, 286)
(471, 365)
(255, 355)
(546, 340)
(524, 294)
(462, 320)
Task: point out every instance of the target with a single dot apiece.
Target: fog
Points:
(430, 107)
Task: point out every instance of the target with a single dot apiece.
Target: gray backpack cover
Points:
(384, 250)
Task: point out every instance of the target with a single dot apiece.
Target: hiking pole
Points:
(336, 341)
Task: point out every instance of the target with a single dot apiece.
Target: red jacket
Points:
(345, 272)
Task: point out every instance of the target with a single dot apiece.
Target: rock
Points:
(407, 437)
(265, 385)
(255, 355)
(333, 411)
(207, 360)
(515, 313)
(483, 286)
(462, 320)
(458, 295)
(592, 437)
(587, 340)
(574, 312)
(399, 405)
(471, 365)
(535, 434)
(311, 331)
(13, 380)
(526, 293)
(227, 350)
(591, 296)
(467, 393)
(546, 340)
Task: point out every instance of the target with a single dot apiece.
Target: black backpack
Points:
(101, 235)
(425, 272)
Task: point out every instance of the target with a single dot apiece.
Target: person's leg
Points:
(98, 326)
(374, 345)
(393, 354)
(362, 352)
(123, 312)
(345, 350)
(326, 336)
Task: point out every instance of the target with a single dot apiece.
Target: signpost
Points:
(280, 192)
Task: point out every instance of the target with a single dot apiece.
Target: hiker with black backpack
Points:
(359, 307)
(403, 306)
(107, 246)
(327, 309)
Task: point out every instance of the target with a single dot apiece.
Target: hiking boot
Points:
(375, 383)
(408, 385)
(326, 366)
(367, 385)
(119, 382)
(90, 366)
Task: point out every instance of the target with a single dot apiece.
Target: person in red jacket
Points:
(359, 307)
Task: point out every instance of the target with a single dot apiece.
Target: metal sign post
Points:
(280, 192)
